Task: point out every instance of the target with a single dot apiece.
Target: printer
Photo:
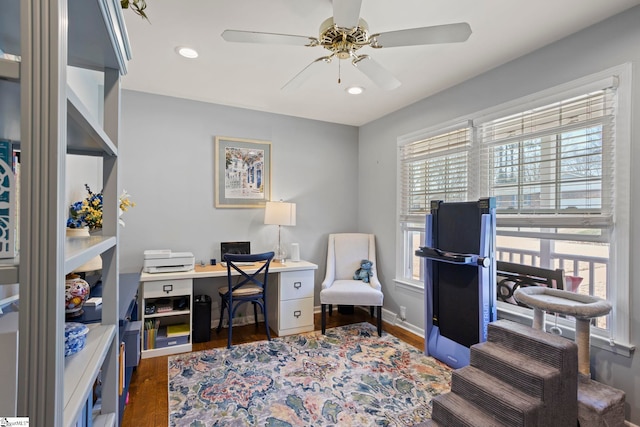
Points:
(165, 261)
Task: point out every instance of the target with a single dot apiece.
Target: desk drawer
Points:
(296, 313)
(167, 288)
(296, 284)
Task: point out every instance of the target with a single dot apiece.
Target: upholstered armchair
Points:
(345, 252)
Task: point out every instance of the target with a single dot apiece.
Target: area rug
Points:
(348, 377)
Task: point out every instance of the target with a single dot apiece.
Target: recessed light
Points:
(355, 90)
(187, 52)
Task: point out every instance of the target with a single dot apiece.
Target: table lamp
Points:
(280, 213)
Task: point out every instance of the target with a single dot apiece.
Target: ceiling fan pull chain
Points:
(339, 69)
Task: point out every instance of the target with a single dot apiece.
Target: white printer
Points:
(165, 261)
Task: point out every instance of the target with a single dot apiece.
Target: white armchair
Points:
(344, 254)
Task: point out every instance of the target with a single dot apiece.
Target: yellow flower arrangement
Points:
(88, 212)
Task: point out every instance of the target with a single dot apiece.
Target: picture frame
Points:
(242, 172)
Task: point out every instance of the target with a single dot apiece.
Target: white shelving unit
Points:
(171, 291)
(48, 35)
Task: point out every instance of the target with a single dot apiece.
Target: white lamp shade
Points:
(280, 213)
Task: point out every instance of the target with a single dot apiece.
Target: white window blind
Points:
(556, 160)
(434, 168)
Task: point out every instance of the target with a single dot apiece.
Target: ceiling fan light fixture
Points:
(355, 90)
(187, 52)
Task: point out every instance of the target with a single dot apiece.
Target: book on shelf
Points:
(163, 305)
(150, 333)
(178, 330)
(93, 302)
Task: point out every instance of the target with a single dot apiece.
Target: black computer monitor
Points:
(234, 248)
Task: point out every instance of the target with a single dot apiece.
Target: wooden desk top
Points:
(219, 271)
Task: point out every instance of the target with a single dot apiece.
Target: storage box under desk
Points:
(163, 341)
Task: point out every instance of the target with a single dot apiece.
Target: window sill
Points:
(522, 315)
(409, 286)
(518, 314)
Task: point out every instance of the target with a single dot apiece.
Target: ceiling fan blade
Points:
(449, 33)
(269, 38)
(376, 73)
(304, 75)
(346, 13)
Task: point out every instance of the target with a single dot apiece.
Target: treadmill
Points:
(460, 277)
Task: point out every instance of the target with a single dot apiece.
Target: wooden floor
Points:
(148, 398)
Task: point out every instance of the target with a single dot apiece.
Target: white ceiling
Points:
(250, 75)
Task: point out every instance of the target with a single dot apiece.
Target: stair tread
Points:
(497, 397)
(527, 374)
(542, 346)
(522, 361)
(490, 384)
(452, 410)
(528, 332)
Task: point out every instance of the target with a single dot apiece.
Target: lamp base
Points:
(280, 254)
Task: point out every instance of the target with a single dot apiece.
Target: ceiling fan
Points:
(345, 33)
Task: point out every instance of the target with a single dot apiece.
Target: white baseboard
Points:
(391, 318)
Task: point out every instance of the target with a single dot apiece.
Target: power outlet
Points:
(403, 313)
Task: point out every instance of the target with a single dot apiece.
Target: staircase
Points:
(519, 377)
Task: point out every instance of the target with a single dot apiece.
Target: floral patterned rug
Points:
(348, 377)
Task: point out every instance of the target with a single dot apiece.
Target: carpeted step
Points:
(531, 376)
(599, 404)
(500, 400)
(451, 410)
(553, 350)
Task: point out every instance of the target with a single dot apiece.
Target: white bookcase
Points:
(50, 122)
(176, 296)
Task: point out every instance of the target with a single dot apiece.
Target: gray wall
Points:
(167, 165)
(610, 43)
(342, 178)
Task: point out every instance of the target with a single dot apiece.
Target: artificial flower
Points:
(88, 212)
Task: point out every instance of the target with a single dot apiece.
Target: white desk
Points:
(289, 300)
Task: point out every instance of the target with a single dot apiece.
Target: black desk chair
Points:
(249, 287)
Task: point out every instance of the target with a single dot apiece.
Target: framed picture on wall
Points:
(242, 172)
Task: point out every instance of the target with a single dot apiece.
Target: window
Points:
(546, 167)
(432, 168)
(557, 164)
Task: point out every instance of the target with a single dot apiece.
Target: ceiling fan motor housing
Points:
(343, 41)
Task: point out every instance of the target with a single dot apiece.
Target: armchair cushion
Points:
(350, 292)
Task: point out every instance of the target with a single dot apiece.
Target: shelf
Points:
(97, 36)
(84, 134)
(105, 420)
(10, 26)
(167, 313)
(81, 369)
(9, 271)
(79, 250)
(165, 351)
(9, 69)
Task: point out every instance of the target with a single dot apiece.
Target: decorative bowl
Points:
(75, 337)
